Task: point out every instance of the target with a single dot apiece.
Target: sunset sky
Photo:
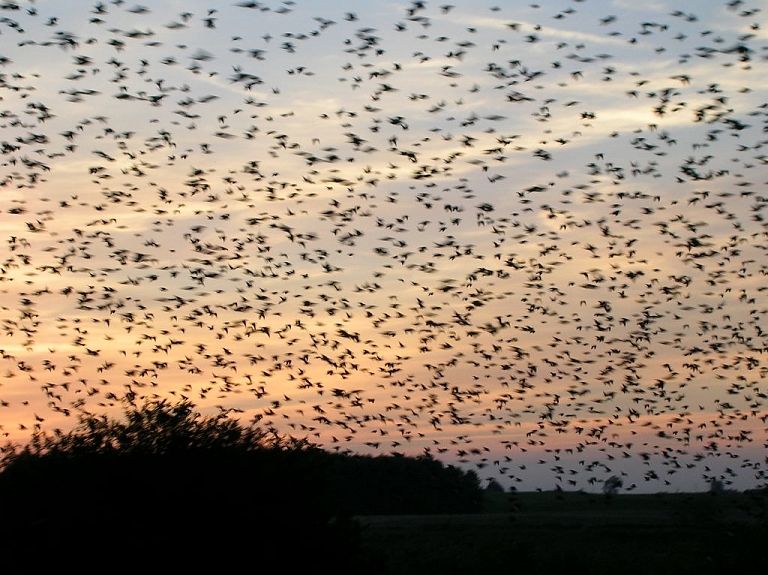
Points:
(528, 239)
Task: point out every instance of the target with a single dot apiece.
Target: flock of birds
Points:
(526, 239)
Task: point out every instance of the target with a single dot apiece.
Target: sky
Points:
(526, 239)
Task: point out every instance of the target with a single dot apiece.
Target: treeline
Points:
(165, 483)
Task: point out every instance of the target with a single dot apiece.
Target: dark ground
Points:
(577, 533)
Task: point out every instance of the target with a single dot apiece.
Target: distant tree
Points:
(394, 484)
(613, 485)
(716, 485)
(494, 486)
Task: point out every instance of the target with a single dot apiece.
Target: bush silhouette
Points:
(166, 480)
(168, 486)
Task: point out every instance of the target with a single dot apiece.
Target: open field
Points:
(572, 533)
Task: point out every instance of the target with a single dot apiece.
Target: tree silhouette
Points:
(166, 477)
(613, 485)
(167, 482)
(494, 487)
